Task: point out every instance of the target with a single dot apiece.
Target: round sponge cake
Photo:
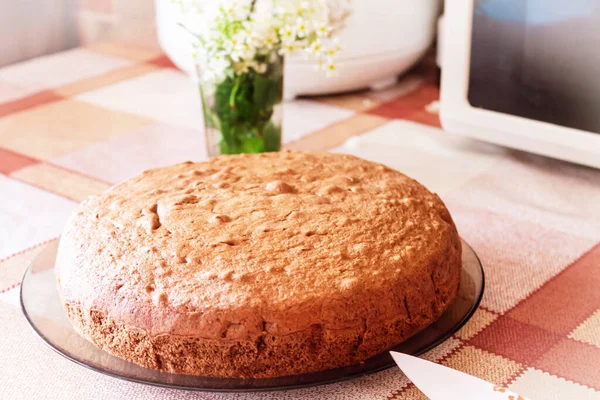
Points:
(258, 265)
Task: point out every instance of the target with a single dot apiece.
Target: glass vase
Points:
(243, 110)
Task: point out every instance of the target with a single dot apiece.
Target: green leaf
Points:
(272, 137)
(229, 143)
(267, 93)
(242, 109)
(253, 145)
(245, 109)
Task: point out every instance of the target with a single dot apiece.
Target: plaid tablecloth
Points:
(73, 123)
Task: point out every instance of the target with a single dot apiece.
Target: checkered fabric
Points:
(74, 123)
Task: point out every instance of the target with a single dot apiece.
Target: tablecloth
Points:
(74, 123)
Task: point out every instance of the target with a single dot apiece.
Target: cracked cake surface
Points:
(258, 265)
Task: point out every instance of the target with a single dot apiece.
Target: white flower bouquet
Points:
(240, 46)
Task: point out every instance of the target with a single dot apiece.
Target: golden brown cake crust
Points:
(258, 265)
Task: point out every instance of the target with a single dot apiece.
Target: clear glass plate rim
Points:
(391, 364)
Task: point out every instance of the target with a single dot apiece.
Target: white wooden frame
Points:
(457, 115)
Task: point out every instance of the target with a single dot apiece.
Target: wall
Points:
(32, 28)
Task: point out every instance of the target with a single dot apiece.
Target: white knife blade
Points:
(442, 383)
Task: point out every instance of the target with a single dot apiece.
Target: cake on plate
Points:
(258, 265)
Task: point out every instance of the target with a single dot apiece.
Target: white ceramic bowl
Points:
(383, 39)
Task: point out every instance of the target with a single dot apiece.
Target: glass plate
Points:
(42, 308)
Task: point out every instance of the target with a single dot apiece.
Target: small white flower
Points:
(320, 64)
(241, 67)
(331, 51)
(315, 48)
(301, 28)
(323, 31)
(331, 68)
(271, 39)
(288, 48)
(287, 33)
(260, 68)
(336, 44)
(232, 39)
(217, 64)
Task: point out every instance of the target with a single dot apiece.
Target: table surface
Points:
(74, 123)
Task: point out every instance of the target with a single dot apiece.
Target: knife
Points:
(442, 383)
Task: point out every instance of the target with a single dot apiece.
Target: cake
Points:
(258, 265)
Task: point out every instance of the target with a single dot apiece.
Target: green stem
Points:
(236, 87)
